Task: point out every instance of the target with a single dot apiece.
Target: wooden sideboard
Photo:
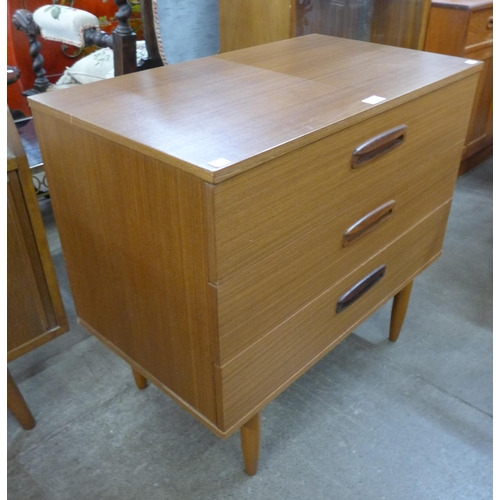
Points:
(35, 312)
(235, 217)
(465, 28)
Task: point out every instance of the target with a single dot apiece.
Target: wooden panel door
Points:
(29, 310)
(35, 312)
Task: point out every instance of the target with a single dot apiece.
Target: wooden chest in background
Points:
(227, 221)
(35, 311)
(465, 28)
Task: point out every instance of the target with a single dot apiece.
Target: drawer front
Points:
(263, 296)
(480, 28)
(259, 212)
(266, 368)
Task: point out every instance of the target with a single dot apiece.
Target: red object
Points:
(55, 60)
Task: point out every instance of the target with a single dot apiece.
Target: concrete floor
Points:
(371, 420)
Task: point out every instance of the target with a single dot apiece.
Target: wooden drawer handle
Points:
(360, 289)
(490, 23)
(368, 222)
(378, 145)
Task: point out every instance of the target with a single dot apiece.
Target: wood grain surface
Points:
(219, 285)
(27, 316)
(35, 312)
(246, 24)
(401, 24)
(446, 31)
(264, 295)
(464, 28)
(132, 231)
(479, 29)
(261, 372)
(263, 210)
(252, 104)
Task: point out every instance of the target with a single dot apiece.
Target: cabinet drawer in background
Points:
(256, 213)
(480, 27)
(261, 297)
(270, 365)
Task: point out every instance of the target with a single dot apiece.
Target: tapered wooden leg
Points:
(399, 306)
(250, 444)
(140, 380)
(17, 405)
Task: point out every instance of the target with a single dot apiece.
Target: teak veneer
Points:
(227, 221)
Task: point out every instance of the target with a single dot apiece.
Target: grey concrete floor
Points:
(371, 420)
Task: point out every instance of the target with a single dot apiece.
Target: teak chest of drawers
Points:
(227, 221)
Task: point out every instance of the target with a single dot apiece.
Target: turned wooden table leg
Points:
(140, 380)
(250, 444)
(17, 405)
(399, 306)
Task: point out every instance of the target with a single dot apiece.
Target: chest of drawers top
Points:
(242, 108)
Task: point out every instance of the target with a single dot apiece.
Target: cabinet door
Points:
(35, 312)
(29, 309)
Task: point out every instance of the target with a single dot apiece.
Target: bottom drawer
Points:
(261, 372)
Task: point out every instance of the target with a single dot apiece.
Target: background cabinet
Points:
(35, 312)
(465, 28)
(391, 22)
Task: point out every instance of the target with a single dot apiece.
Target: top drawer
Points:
(256, 213)
(480, 28)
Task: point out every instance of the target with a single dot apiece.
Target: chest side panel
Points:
(132, 232)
